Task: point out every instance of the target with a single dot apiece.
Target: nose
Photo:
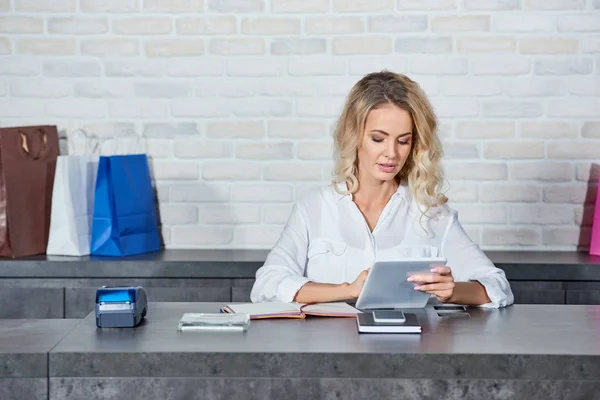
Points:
(391, 150)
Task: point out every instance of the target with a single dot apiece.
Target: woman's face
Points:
(386, 143)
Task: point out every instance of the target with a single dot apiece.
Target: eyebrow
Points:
(387, 134)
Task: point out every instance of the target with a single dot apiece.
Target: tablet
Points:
(387, 286)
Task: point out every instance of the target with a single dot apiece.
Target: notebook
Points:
(291, 310)
(366, 324)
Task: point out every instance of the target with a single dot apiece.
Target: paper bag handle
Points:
(91, 141)
(25, 144)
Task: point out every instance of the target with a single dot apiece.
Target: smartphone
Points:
(389, 316)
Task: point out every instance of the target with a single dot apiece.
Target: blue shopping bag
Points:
(124, 220)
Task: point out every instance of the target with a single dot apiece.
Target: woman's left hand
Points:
(439, 282)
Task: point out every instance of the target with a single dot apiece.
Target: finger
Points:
(434, 287)
(430, 278)
(442, 270)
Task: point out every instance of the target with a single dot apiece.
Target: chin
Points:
(382, 176)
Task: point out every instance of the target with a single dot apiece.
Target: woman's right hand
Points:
(357, 285)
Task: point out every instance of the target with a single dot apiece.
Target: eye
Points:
(376, 139)
(404, 142)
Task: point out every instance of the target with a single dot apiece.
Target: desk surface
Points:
(535, 341)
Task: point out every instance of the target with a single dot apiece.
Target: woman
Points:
(384, 204)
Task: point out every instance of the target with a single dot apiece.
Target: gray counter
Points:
(524, 351)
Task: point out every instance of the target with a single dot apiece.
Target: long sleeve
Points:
(282, 274)
(469, 263)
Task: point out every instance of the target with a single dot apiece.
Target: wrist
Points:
(346, 290)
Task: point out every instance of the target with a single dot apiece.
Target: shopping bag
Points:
(27, 165)
(124, 219)
(73, 198)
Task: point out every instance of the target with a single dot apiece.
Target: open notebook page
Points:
(331, 309)
(266, 309)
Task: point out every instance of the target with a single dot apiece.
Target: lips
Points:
(387, 167)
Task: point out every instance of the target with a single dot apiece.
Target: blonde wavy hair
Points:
(422, 170)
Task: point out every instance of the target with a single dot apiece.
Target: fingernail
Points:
(411, 279)
(417, 287)
(433, 270)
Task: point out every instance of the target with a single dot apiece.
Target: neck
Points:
(375, 193)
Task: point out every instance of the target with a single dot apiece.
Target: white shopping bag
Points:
(73, 202)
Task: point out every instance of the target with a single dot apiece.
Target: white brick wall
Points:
(237, 100)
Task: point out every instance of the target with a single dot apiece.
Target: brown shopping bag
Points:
(27, 164)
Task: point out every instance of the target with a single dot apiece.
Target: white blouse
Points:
(327, 240)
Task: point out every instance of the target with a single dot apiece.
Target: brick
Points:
(257, 235)
(199, 108)
(263, 108)
(178, 214)
(264, 151)
(435, 65)
(471, 86)
(21, 24)
(203, 149)
(546, 171)
(110, 47)
(201, 235)
(43, 46)
(226, 88)
(460, 23)
(229, 214)
(238, 129)
(158, 148)
(78, 25)
(263, 192)
(591, 129)
(362, 5)
(286, 87)
(431, 45)
(333, 25)
(492, 4)
(511, 109)
(45, 5)
(298, 46)
(138, 108)
(476, 170)
(236, 6)
(200, 193)
(243, 46)
(315, 150)
(46, 88)
(174, 47)
(524, 23)
(217, 25)
(564, 67)
(461, 151)
(271, 26)
(76, 108)
(584, 86)
(4, 5)
(462, 192)
(588, 172)
(126, 67)
(541, 214)
(574, 150)
(548, 46)
(5, 47)
(290, 171)
(3, 88)
(173, 6)
(319, 107)
(514, 150)
(334, 86)
(395, 23)
(299, 6)
(535, 88)
(510, 237)
(361, 45)
(276, 214)
(194, 67)
(142, 26)
(455, 107)
(549, 130)
(17, 108)
(107, 130)
(109, 6)
(570, 194)
(504, 66)
(169, 130)
(566, 236)
(316, 66)
(486, 44)
(295, 129)
(365, 65)
(509, 192)
(162, 89)
(170, 170)
(485, 130)
(481, 214)
(426, 4)
(590, 44)
(554, 4)
(255, 67)
(574, 107)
